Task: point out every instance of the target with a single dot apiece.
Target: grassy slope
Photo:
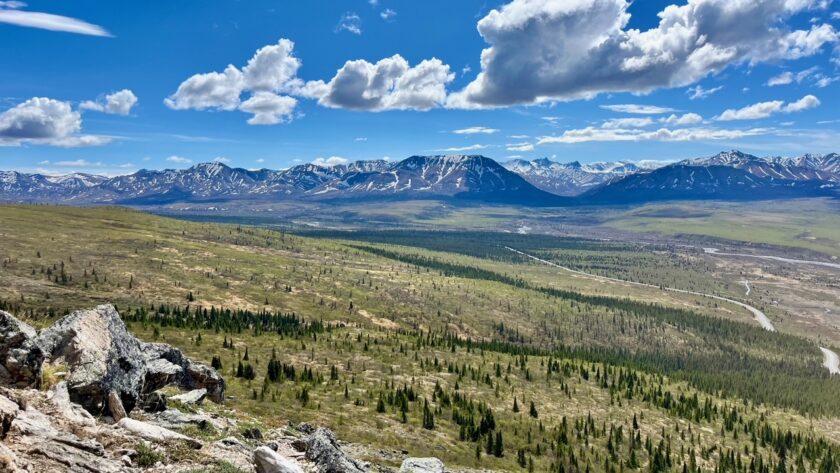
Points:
(142, 260)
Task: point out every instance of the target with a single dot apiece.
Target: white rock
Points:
(153, 432)
(421, 465)
(268, 461)
(192, 397)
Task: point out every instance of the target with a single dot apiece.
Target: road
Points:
(832, 361)
(758, 315)
(716, 252)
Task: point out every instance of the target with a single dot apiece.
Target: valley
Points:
(371, 326)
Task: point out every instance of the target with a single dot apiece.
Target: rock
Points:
(8, 460)
(305, 428)
(167, 365)
(267, 460)
(196, 396)
(8, 411)
(252, 433)
(100, 354)
(421, 465)
(154, 402)
(20, 360)
(155, 433)
(175, 419)
(322, 449)
(115, 406)
(60, 400)
(126, 460)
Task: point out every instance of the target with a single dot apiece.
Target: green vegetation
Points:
(443, 344)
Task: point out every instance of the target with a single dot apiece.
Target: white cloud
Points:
(520, 147)
(221, 159)
(78, 163)
(330, 162)
(591, 134)
(179, 159)
(782, 79)
(475, 130)
(360, 138)
(388, 14)
(212, 90)
(638, 109)
(685, 119)
(10, 13)
(261, 160)
(627, 123)
(389, 84)
(541, 50)
(805, 103)
(459, 149)
(519, 137)
(350, 22)
(270, 72)
(45, 121)
(825, 81)
(118, 103)
(698, 92)
(269, 108)
(765, 109)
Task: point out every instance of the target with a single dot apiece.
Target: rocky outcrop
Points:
(20, 361)
(99, 354)
(421, 465)
(323, 449)
(196, 396)
(167, 365)
(155, 433)
(100, 358)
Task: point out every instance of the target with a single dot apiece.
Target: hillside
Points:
(366, 333)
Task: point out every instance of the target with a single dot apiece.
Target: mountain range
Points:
(729, 175)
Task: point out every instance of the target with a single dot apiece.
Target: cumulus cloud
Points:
(270, 72)
(761, 110)
(638, 109)
(45, 121)
(627, 123)
(350, 22)
(543, 50)
(269, 108)
(118, 103)
(685, 119)
(476, 130)
(782, 79)
(698, 92)
(10, 13)
(389, 84)
(590, 134)
(330, 162)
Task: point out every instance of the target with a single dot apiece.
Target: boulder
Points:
(196, 396)
(60, 400)
(323, 449)
(20, 360)
(267, 460)
(421, 465)
(115, 406)
(167, 365)
(155, 433)
(100, 355)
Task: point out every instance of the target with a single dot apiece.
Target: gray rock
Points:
(196, 396)
(167, 365)
(155, 433)
(175, 419)
(20, 360)
(267, 460)
(60, 400)
(322, 449)
(100, 354)
(421, 465)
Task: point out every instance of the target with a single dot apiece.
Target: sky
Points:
(112, 87)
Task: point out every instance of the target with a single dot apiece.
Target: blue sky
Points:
(111, 87)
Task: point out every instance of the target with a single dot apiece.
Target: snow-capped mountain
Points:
(729, 175)
(574, 178)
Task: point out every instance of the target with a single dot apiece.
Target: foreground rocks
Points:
(98, 358)
(92, 373)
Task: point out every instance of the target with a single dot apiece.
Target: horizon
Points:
(271, 86)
